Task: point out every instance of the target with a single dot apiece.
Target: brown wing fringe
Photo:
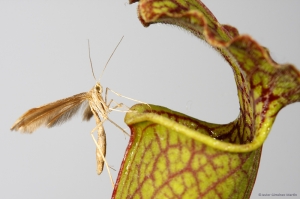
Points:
(87, 114)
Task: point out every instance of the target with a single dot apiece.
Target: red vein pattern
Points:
(171, 155)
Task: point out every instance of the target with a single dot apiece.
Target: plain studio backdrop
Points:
(44, 58)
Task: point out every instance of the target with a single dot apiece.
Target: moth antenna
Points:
(91, 59)
(111, 57)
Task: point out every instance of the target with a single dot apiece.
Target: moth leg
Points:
(118, 94)
(118, 127)
(119, 105)
(109, 101)
(106, 90)
(115, 109)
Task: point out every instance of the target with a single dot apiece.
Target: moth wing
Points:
(51, 114)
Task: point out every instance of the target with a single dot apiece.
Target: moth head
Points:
(98, 88)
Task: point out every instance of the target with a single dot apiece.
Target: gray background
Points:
(44, 58)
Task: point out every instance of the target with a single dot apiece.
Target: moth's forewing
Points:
(50, 114)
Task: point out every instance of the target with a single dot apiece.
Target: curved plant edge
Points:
(264, 87)
(171, 154)
(142, 113)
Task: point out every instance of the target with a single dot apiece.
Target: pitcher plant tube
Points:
(171, 155)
